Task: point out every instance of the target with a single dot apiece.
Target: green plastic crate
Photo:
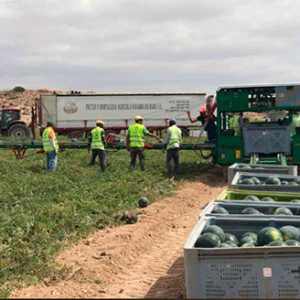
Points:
(231, 194)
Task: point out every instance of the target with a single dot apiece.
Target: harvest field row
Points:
(41, 212)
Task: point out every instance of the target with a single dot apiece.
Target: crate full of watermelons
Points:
(235, 258)
(265, 208)
(257, 196)
(266, 182)
(260, 168)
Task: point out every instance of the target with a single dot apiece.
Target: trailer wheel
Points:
(18, 131)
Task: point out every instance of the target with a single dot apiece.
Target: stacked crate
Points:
(264, 272)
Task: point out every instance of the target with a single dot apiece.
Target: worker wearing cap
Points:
(96, 143)
(173, 141)
(50, 146)
(204, 117)
(135, 142)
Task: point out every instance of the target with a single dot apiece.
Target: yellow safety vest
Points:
(97, 142)
(295, 123)
(234, 124)
(46, 140)
(136, 133)
(175, 136)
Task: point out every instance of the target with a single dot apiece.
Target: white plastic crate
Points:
(241, 273)
(236, 185)
(261, 168)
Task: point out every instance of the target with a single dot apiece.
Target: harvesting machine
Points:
(264, 134)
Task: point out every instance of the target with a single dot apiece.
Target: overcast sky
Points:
(148, 45)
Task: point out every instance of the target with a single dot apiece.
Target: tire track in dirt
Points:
(140, 260)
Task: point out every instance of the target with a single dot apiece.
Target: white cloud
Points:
(142, 45)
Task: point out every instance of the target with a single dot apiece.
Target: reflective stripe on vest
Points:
(46, 140)
(136, 135)
(97, 138)
(234, 124)
(175, 137)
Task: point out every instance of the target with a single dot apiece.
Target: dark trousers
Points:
(172, 155)
(102, 158)
(134, 153)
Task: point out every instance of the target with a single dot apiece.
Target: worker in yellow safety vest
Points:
(50, 146)
(96, 143)
(295, 123)
(234, 123)
(136, 143)
(173, 141)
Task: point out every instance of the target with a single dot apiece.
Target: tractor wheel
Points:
(18, 131)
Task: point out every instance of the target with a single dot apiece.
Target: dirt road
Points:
(140, 260)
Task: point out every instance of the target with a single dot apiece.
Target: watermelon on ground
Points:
(292, 243)
(247, 245)
(276, 243)
(247, 239)
(253, 235)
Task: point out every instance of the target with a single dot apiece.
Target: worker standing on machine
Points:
(173, 141)
(50, 146)
(235, 123)
(136, 143)
(96, 143)
(295, 122)
(206, 116)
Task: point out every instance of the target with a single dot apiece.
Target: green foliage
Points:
(18, 89)
(40, 212)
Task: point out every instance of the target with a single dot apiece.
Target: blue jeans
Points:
(51, 160)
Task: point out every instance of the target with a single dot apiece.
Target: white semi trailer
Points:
(73, 113)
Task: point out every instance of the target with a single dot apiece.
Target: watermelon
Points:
(220, 210)
(248, 181)
(289, 232)
(292, 243)
(276, 243)
(284, 182)
(247, 245)
(272, 180)
(208, 240)
(250, 211)
(247, 239)
(297, 180)
(225, 245)
(251, 198)
(231, 238)
(253, 235)
(216, 230)
(229, 244)
(143, 202)
(282, 210)
(267, 199)
(295, 201)
(132, 218)
(255, 180)
(293, 183)
(267, 235)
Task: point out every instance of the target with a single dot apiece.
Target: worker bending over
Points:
(96, 143)
(136, 143)
(173, 141)
(50, 146)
